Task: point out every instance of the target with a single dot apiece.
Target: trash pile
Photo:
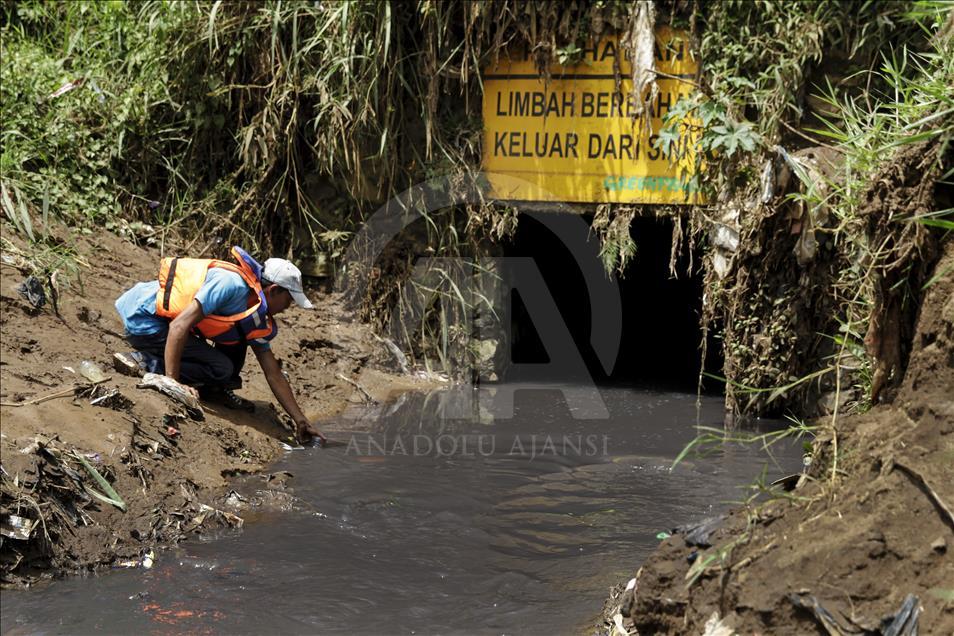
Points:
(47, 491)
(54, 496)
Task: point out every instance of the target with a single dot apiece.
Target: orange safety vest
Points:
(180, 280)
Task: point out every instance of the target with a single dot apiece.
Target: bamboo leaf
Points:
(941, 223)
(113, 497)
(98, 495)
(24, 215)
(8, 208)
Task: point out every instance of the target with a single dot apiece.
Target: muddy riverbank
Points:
(434, 518)
(171, 480)
(869, 525)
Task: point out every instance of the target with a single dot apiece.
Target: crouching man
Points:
(197, 321)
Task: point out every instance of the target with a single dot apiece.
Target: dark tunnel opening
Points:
(660, 338)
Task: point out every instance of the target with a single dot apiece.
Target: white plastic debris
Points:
(716, 627)
(168, 386)
(16, 527)
(66, 87)
(92, 371)
(618, 628)
(145, 562)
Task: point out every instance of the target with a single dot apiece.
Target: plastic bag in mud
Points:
(166, 385)
(32, 290)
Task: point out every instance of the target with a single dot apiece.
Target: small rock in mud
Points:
(279, 479)
(88, 316)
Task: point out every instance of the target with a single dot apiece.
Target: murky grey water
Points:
(494, 525)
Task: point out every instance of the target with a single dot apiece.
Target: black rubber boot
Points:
(236, 402)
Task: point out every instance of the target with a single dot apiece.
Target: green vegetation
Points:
(273, 122)
(875, 241)
(826, 76)
(284, 125)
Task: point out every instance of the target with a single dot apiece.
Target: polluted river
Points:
(496, 511)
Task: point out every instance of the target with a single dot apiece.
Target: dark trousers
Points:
(203, 365)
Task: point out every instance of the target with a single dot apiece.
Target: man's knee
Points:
(221, 370)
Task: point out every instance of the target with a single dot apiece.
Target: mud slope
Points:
(857, 544)
(171, 483)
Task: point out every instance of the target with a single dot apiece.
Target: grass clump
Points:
(795, 132)
(284, 125)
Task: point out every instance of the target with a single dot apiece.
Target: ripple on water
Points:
(387, 542)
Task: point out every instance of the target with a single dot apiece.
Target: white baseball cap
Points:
(286, 275)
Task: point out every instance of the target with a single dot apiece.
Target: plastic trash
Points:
(236, 500)
(905, 621)
(627, 603)
(91, 371)
(822, 615)
(66, 87)
(166, 385)
(716, 626)
(112, 399)
(32, 290)
(145, 562)
(16, 527)
(697, 534)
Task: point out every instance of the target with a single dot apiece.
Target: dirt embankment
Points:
(838, 555)
(172, 483)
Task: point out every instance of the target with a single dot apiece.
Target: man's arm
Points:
(304, 431)
(179, 330)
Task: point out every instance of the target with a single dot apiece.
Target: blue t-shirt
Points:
(224, 293)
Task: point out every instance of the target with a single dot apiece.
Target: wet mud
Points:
(170, 471)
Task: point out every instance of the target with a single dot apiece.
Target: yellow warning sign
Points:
(575, 138)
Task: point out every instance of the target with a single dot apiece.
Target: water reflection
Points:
(515, 536)
(484, 404)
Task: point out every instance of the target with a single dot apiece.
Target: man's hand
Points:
(185, 388)
(305, 432)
